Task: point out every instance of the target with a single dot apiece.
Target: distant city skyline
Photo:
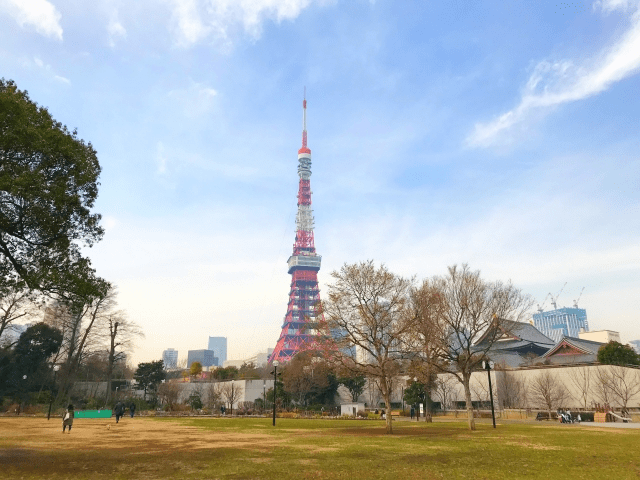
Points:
(219, 347)
(499, 134)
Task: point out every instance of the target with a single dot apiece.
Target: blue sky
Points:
(501, 134)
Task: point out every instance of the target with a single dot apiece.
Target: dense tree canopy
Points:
(354, 383)
(48, 185)
(25, 367)
(614, 353)
(149, 375)
(415, 393)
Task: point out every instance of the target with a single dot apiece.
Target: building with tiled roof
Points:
(571, 350)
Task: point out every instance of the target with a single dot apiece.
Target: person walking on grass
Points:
(132, 409)
(119, 411)
(67, 419)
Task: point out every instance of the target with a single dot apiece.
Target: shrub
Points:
(362, 414)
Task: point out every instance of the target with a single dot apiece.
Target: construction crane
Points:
(541, 305)
(575, 302)
(555, 299)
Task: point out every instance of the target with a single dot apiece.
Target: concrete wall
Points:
(578, 387)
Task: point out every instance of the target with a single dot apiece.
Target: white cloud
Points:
(189, 27)
(555, 83)
(47, 68)
(196, 20)
(116, 31)
(40, 14)
(62, 79)
(195, 100)
(611, 5)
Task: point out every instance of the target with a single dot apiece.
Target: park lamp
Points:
(275, 389)
(488, 365)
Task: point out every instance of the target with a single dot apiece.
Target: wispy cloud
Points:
(195, 100)
(62, 79)
(116, 31)
(555, 83)
(49, 71)
(40, 14)
(197, 20)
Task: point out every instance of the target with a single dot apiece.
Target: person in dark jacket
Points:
(132, 409)
(67, 419)
(119, 411)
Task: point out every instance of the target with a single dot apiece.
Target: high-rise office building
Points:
(170, 358)
(205, 357)
(219, 347)
(567, 322)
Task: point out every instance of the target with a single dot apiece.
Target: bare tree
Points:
(213, 394)
(367, 309)
(511, 389)
(373, 392)
(481, 389)
(580, 378)
(601, 385)
(446, 390)
(80, 327)
(120, 333)
(464, 316)
(231, 393)
(168, 394)
(547, 390)
(15, 305)
(624, 383)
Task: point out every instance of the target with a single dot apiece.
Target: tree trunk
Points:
(112, 357)
(387, 403)
(467, 396)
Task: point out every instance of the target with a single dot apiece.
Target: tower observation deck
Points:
(299, 329)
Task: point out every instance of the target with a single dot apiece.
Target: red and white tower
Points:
(299, 329)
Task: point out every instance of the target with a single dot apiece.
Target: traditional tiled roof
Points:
(574, 346)
(507, 359)
(517, 331)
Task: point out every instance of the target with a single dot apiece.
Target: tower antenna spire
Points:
(304, 119)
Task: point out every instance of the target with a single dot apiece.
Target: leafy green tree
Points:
(195, 369)
(415, 393)
(48, 186)
(354, 383)
(283, 399)
(248, 371)
(226, 373)
(195, 401)
(149, 375)
(309, 380)
(614, 353)
(26, 367)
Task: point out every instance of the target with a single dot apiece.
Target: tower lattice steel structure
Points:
(299, 330)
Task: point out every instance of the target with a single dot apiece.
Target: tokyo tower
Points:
(299, 329)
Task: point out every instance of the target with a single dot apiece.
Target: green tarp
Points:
(93, 414)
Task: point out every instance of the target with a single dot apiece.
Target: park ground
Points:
(252, 448)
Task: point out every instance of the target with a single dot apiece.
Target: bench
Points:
(545, 416)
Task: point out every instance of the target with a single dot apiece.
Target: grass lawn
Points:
(252, 448)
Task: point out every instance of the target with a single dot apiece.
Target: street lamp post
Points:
(55, 371)
(264, 395)
(275, 389)
(487, 366)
